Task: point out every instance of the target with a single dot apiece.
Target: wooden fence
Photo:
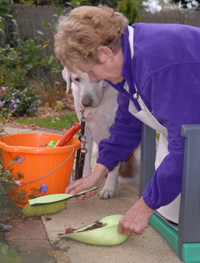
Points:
(30, 18)
(174, 16)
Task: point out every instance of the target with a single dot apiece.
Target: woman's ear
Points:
(104, 53)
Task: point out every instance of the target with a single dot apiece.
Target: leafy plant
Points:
(23, 61)
(8, 255)
(5, 10)
(7, 21)
(60, 105)
(8, 186)
(17, 103)
(129, 8)
(75, 3)
(8, 180)
(111, 3)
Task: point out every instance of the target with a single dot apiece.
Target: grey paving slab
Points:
(149, 247)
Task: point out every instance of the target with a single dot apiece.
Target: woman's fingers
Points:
(136, 219)
(87, 182)
(79, 185)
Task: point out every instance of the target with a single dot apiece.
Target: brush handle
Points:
(54, 198)
(68, 135)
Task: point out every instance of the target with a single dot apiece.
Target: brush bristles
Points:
(41, 210)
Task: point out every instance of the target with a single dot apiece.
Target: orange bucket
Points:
(45, 168)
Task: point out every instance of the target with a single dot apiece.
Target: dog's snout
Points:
(86, 101)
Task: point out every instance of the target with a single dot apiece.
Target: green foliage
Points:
(5, 7)
(110, 3)
(7, 22)
(39, 2)
(6, 184)
(19, 65)
(60, 105)
(18, 102)
(75, 3)
(21, 62)
(5, 10)
(28, 102)
(129, 8)
(7, 255)
(72, 3)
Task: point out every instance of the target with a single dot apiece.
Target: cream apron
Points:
(171, 211)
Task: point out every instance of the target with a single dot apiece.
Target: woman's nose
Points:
(92, 77)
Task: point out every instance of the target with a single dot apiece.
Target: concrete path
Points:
(149, 247)
(44, 235)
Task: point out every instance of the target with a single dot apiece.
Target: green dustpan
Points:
(104, 236)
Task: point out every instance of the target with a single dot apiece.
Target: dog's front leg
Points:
(87, 164)
(109, 187)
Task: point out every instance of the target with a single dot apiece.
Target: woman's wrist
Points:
(100, 169)
(146, 207)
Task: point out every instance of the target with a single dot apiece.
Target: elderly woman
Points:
(156, 70)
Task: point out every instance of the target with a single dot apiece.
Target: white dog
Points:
(100, 102)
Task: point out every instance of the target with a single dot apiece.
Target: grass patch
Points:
(54, 122)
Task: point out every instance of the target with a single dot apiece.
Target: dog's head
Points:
(90, 93)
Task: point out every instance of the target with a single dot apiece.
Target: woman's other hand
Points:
(136, 219)
(93, 179)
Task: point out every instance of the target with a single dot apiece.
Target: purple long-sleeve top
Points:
(166, 71)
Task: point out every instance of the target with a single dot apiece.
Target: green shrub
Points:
(18, 103)
(18, 71)
(19, 65)
(25, 63)
(129, 8)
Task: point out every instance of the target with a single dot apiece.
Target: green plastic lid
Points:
(52, 144)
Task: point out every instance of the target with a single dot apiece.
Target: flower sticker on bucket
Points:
(43, 188)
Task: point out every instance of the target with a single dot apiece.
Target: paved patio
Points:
(38, 240)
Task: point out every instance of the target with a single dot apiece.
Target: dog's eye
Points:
(77, 79)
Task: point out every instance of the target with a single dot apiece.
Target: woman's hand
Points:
(87, 182)
(136, 219)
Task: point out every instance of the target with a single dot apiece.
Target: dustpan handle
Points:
(20, 183)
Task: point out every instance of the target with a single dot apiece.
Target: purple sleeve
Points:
(125, 136)
(166, 182)
(175, 101)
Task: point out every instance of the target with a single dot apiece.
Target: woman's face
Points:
(109, 70)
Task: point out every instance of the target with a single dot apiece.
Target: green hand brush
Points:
(50, 204)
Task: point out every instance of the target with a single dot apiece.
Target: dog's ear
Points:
(66, 76)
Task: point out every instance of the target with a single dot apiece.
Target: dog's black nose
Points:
(87, 101)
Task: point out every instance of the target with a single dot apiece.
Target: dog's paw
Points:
(106, 193)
